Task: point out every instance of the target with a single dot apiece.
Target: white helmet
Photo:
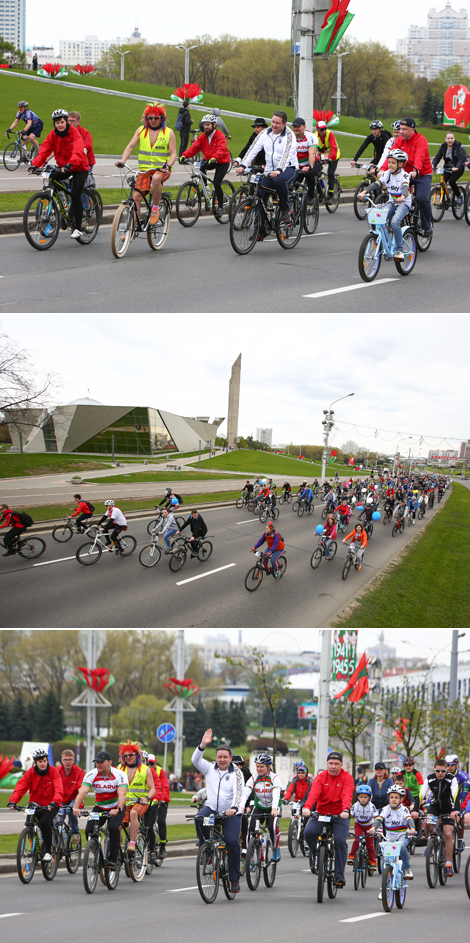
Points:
(211, 118)
(109, 503)
(39, 754)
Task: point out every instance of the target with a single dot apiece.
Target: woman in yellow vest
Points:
(157, 154)
(327, 145)
(141, 787)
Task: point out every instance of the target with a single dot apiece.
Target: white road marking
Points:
(244, 522)
(48, 562)
(209, 573)
(379, 913)
(176, 890)
(338, 291)
(2, 916)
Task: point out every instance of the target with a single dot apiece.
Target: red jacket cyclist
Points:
(11, 519)
(213, 145)
(44, 785)
(299, 788)
(66, 144)
(275, 546)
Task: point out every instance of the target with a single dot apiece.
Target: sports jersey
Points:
(266, 789)
(364, 814)
(106, 787)
(117, 516)
(28, 115)
(395, 821)
(303, 144)
(397, 184)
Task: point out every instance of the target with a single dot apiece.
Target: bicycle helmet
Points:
(211, 118)
(109, 503)
(364, 790)
(144, 755)
(395, 769)
(265, 758)
(398, 154)
(59, 113)
(408, 761)
(39, 754)
(452, 758)
(396, 125)
(398, 789)
(376, 125)
(301, 768)
(22, 104)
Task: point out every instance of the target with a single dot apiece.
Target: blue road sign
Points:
(166, 733)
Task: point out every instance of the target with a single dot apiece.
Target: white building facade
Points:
(13, 22)
(265, 435)
(444, 42)
(86, 51)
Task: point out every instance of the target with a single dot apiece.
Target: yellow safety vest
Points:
(138, 787)
(326, 146)
(151, 158)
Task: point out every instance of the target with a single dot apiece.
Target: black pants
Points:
(220, 171)
(184, 138)
(310, 177)
(452, 177)
(10, 537)
(332, 165)
(45, 819)
(81, 518)
(150, 818)
(114, 824)
(116, 530)
(78, 183)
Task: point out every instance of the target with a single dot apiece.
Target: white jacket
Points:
(280, 150)
(224, 787)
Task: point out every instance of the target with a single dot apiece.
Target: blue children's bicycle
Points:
(393, 876)
(381, 242)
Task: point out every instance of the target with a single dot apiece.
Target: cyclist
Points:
(74, 122)
(327, 145)
(299, 787)
(378, 137)
(307, 155)
(280, 148)
(72, 777)
(454, 157)
(382, 164)
(9, 518)
(141, 788)
(419, 167)
(330, 500)
(247, 490)
(110, 786)
(33, 124)
(263, 493)
(265, 788)
(394, 820)
(329, 533)
(440, 795)
(275, 546)
(359, 542)
(364, 812)
(158, 809)
(463, 780)
(84, 510)
(307, 495)
(397, 183)
(66, 144)
(167, 498)
(198, 529)
(408, 799)
(259, 124)
(413, 507)
(157, 154)
(344, 511)
(216, 154)
(168, 526)
(225, 789)
(115, 522)
(44, 785)
(332, 791)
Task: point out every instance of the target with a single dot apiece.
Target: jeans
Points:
(66, 813)
(404, 853)
(231, 830)
(274, 558)
(360, 550)
(423, 190)
(280, 185)
(167, 535)
(328, 543)
(314, 828)
(396, 214)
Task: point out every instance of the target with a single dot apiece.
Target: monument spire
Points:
(233, 403)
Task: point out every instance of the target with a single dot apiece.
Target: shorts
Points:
(35, 129)
(141, 810)
(434, 808)
(144, 180)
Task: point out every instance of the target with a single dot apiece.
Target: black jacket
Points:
(198, 526)
(378, 142)
(260, 157)
(458, 155)
(186, 119)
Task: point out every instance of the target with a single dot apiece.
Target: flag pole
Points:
(323, 721)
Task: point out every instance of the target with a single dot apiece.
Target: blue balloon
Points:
(319, 529)
(360, 507)
(376, 516)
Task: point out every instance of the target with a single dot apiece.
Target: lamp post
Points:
(339, 95)
(402, 439)
(328, 424)
(186, 60)
(121, 54)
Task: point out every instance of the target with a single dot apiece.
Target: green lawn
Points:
(53, 512)
(265, 463)
(159, 476)
(46, 463)
(430, 586)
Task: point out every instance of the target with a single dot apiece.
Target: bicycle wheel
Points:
(138, 862)
(152, 524)
(311, 214)
(357, 870)
(315, 559)
(269, 867)
(365, 870)
(91, 217)
(394, 530)
(128, 545)
(422, 242)
(99, 201)
(301, 509)
(228, 190)
(207, 872)
(263, 516)
(62, 533)
(295, 506)
(438, 203)
(442, 871)
(370, 258)
(245, 225)
(360, 209)
(281, 566)
(346, 568)
(420, 515)
(324, 514)
(41, 221)
(275, 514)
(111, 876)
(289, 233)
(321, 875)
(406, 265)
(400, 892)
(432, 862)
(226, 882)
(12, 156)
(150, 556)
(157, 234)
(204, 551)
(293, 838)
(49, 868)
(177, 560)
(387, 888)
(253, 864)
(333, 549)
(412, 845)
(188, 204)
(89, 553)
(378, 855)
(239, 503)
(73, 852)
(26, 855)
(331, 885)
(253, 578)
(458, 211)
(456, 855)
(467, 876)
(31, 547)
(91, 865)
(332, 202)
(121, 230)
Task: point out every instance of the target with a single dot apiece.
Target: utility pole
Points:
(306, 84)
(323, 720)
(379, 674)
(339, 95)
(91, 709)
(180, 669)
(328, 423)
(454, 661)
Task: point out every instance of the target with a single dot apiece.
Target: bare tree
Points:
(24, 395)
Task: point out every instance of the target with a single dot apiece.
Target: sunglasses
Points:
(128, 756)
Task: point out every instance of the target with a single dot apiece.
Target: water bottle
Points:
(322, 184)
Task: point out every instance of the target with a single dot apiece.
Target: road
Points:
(117, 592)
(169, 900)
(320, 275)
(11, 823)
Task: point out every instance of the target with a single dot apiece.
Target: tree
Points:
(449, 727)
(407, 714)
(49, 718)
(19, 725)
(218, 718)
(140, 720)
(4, 719)
(10, 55)
(47, 659)
(348, 721)
(427, 109)
(236, 725)
(23, 396)
(195, 723)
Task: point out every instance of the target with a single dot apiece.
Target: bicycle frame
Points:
(385, 239)
(140, 226)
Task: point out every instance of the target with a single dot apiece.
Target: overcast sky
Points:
(409, 373)
(188, 20)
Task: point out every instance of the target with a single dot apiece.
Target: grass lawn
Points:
(52, 512)
(46, 463)
(430, 585)
(264, 463)
(159, 476)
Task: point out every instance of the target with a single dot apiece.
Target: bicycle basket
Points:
(391, 849)
(378, 215)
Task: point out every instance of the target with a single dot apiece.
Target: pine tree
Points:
(19, 722)
(4, 719)
(195, 723)
(427, 109)
(219, 719)
(49, 718)
(236, 730)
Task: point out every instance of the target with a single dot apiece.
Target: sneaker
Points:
(360, 566)
(399, 256)
(276, 854)
(461, 845)
(162, 852)
(285, 217)
(243, 852)
(409, 874)
(154, 215)
(131, 848)
(460, 201)
(276, 575)
(340, 882)
(351, 859)
(76, 234)
(427, 233)
(152, 858)
(379, 895)
(10, 553)
(218, 213)
(112, 865)
(449, 871)
(47, 857)
(235, 888)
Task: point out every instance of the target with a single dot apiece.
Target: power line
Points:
(374, 431)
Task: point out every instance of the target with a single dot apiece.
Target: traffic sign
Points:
(166, 733)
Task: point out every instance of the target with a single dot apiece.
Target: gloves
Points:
(67, 167)
(54, 806)
(10, 805)
(183, 160)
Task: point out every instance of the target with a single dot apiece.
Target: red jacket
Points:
(42, 789)
(215, 150)
(162, 785)
(67, 150)
(88, 142)
(332, 794)
(83, 508)
(417, 149)
(11, 519)
(71, 783)
(302, 787)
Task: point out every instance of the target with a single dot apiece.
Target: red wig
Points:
(156, 108)
(130, 746)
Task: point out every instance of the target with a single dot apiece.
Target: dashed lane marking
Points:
(338, 291)
(202, 575)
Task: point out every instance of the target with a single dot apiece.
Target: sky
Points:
(408, 373)
(188, 20)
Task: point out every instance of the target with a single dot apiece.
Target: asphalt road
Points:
(117, 592)
(169, 901)
(199, 271)
(11, 823)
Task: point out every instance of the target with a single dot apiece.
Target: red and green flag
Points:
(333, 457)
(334, 26)
(358, 683)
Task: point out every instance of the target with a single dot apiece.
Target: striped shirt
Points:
(106, 787)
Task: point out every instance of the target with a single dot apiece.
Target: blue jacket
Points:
(379, 793)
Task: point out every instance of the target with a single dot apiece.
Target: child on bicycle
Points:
(275, 546)
(329, 534)
(364, 813)
(397, 183)
(344, 511)
(394, 820)
(359, 542)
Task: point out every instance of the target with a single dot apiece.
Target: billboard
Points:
(343, 663)
(457, 106)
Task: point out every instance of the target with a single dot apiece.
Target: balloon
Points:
(360, 507)
(376, 516)
(319, 529)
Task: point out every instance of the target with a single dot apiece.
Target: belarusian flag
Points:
(334, 25)
(361, 688)
(356, 678)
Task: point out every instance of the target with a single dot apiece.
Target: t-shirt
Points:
(117, 516)
(309, 140)
(28, 115)
(266, 789)
(106, 787)
(364, 814)
(397, 185)
(395, 821)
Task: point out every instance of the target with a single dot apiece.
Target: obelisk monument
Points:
(233, 403)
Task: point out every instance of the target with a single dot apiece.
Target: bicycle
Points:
(243, 501)
(156, 520)
(398, 527)
(151, 554)
(184, 546)
(360, 209)
(341, 525)
(128, 224)
(70, 843)
(331, 202)
(254, 577)
(247, 188)
(295, 835)
(246, 220)
(351, 560)
(361, 864)
(413, 220)
(259, 856)
(268, 512)
(324, 864)
(436, 852)
(302, 506)
(65, 532)
(95, 856)
(16, 152)
(212, 861)
(285, 497)
(320, 552)
(394, 884)
(135, 864)
(30, 548)
(381, 242)
(310, 207)
(191, 194)
(91, 552)
(443, 198)
(388, 513)
(49, 211)
(30, 847)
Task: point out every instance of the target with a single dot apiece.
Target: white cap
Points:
(152, 757)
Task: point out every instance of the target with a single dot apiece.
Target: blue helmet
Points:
(364, 789)
(265, 758)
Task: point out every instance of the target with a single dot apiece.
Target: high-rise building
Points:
(265, 435)
(445, 41)
(13, 22)
(84, 51)
(465, 450)
(442, 456)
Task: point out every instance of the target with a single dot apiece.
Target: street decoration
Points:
(185, 689)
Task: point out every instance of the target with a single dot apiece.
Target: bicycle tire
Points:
(324, 514)
(122, 229)
(467, 207)
(62, 533)
(288, 234)
(228, 191)
(412, 845)
(456, 859)
(442, 873)
(420, 515)
(292, 838)
(188, 199)
(239, 503)
(91, 865)
(26, 855)
(275, 514)
(263, 516)
(387, 888)
(253, 578)
(127, 545)
(91, 218)
(245, 224)
(438, 203)
(394, 530)
(204, 550)
(295, 506)
(227, 886)
(360, 209)
(368, 261)
(41, 222)
(378, 856)
(150, 556)
(333, 202)
(405, 266)
(253, 864)
(432, 863)
(207, 872)
(158, 234)
(85, 556)
(357, 870)
(281, 566)
(111, 877)
(177, 560)
(331, 887)
(152, 524)
(300, 509)
(311, 215)
(49, 868)
(315, 559)
(346, 568)
(73, 852)
(321, 874)
(269, 867)
(30, 548)
(138, 861)
(365, 870)
(400, 892)
(467, 877)
(12, 156)
(458, 211)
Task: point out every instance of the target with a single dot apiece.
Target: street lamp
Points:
(186, 59)
(328, 424)
(339, 95)
(121, 54)
(402, 439)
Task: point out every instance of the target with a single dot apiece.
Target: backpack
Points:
(179, 122)
(91, 507)
(25, 519)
